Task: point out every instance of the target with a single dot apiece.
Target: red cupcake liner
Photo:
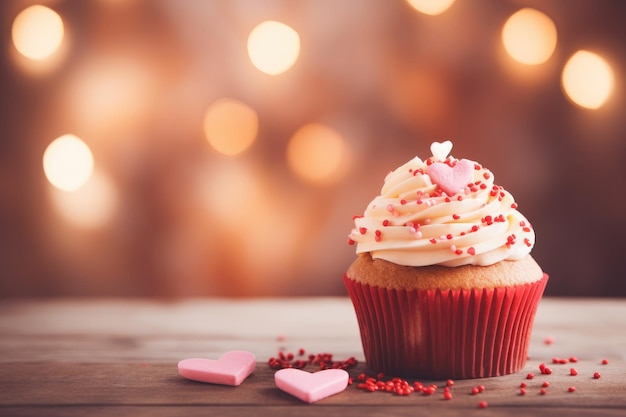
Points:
(441, 334)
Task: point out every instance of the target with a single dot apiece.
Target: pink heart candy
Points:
(230, 369)
(311, 387)
(452, 179)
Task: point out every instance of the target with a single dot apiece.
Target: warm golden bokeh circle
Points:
(68, 162)
(529, 36)
(37, 32)
(230, 126)
(273, 47)
(318, 154)
(587, 80)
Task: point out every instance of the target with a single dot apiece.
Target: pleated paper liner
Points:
(441, 334)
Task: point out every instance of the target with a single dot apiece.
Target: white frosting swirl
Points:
(415, 223)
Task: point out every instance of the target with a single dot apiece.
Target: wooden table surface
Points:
(119, 357)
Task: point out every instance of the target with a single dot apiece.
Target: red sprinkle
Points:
(522, 391)
(543, 391)
(546, 384)
(573, 371)
(530, 375)
(475, 391)
(450, 382)
(471, 251)
(596, 375)
(573, 359)
(548, 341)
(547, 371)
(447, 395)
(482, 404)
(571, 389)
(605, 361)
(522, 385)
(363, 230)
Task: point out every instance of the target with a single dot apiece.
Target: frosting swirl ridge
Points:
(442, 212)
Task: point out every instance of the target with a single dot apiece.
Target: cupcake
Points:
(444, 285)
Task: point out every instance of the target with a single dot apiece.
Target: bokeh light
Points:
(529, 36)
(37, 32)
(230, 126)
(587, 80)
(108, 94)
(318, 154)
(91, 206)
(68, 162)
(273, 47)
(431, 7)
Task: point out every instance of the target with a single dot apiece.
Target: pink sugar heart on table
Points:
(451, 179)
(232, 368)
(311, 387)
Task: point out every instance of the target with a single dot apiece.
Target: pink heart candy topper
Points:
(452, 179)
(232, 368)
(311, 387)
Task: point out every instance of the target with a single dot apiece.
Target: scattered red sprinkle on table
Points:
(400, 386)
(321, 360)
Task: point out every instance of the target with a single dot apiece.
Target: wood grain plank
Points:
(112, 357)
(300, 411)
(57, 384)
(153, 331)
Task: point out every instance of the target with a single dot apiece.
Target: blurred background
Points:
(220, 148)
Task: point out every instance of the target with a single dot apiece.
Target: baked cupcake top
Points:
(442, 211)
